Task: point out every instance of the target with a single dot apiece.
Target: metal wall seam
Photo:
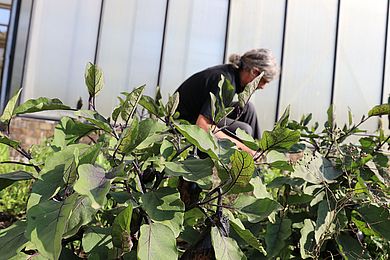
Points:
(95, 58)
(335, 53)
(163, 43)
(226, 32)
(281, 61)
(382, 97)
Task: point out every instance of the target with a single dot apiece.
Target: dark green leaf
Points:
(256, 209)
(164, 206)
(96, 236)
(377, 218)
(282, 165)
(194, 170)
(46, 224)
(149, 104)
(297, 199)
(129, 106)
(7, 179)
(279, 182)
(127, 141)
(82, 214)
(276, 236)
(69, 131)
(5, 140)
(351, 248)
(156, 241)
(379, 110)
(149, 132)
(225, 248)
(92, 183)
(96, 119)
(40, 104)
(331, 119)
(12, 239)
(283, 120)
(94, 79)
(121, 229)
(242, 168)
(172, 104)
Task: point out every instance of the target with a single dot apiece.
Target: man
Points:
(194, 93)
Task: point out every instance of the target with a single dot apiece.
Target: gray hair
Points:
(262, 59)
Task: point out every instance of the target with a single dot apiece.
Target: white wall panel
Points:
(308, 58)
(62, 40)
(386, 87)
(258, 24)
(360, 57)
(195, 40)
(130, 47)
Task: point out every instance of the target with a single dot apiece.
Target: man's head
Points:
(254, 62)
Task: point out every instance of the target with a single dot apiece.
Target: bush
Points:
(139, 189)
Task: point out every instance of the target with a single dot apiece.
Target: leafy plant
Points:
(158, 188)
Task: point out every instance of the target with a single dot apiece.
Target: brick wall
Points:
(30, 131)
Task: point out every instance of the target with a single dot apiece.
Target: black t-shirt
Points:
(194, 93)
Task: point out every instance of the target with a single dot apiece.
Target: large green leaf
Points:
(325, 221)
(316, 169)
(95, 119)
(93, 183)
(156, 241)
(225, 248)
(377, 218)
(40, 104)
(164, 206)
(95, 237)
(276, 236)
(69, 131)
(242, 168)
(7, 179)
(9, 109)
(245, 234)
(256, 209)
(82, 214)
(7, 141)
(248, 91)
(46, 224)
(93, 79)
(195, 170)
(129, 105)
(279, 139)
(306, 241)
(12, 239)
(149, 104)
(203, 140)
(350, 248)
(379, 110)
(121, 229)
(127, 141)
(149, 132)
(247, 139)
(57, 166)
(173, 102)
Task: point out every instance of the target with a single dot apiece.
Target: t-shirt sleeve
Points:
(212, 84)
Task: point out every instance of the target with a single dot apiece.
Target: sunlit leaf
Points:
(69, 131)
(93, 79)
(279, 139)
(149, 104)
(129, 106)
(165, 206)
(194, 170)
(95, 237)
(242, 168)
(156, 241)
(92, 183)
(379, 110)
(256, 209)
(225, 248)
(248, 91)
(127, 141)
(247, 139)
(9, 109)
(324, 223)
(306, 241)
(40, 104)
(172, 104)
(96, 119)
(46, 224)
(7, 141)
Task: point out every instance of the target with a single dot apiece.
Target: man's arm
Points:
(206, 124)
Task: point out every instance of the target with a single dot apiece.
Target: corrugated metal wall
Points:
(330, 51)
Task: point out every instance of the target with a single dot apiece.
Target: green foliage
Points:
(137, 187)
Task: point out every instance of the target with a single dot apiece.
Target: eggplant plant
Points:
(141, 185)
